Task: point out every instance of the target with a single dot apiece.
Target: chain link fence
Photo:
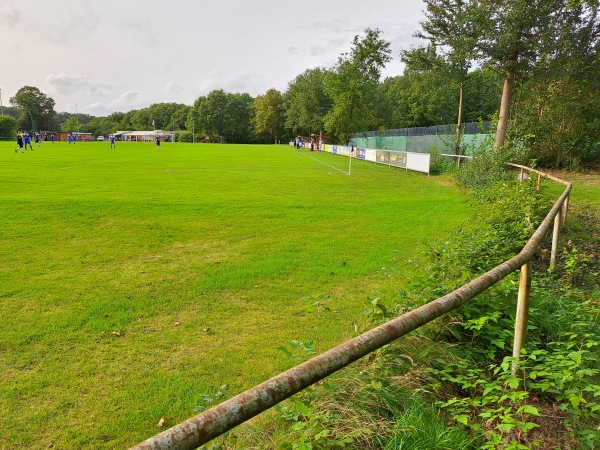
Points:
(423, 139)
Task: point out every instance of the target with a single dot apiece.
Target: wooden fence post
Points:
(555, 234)
(565, 208)
(522, 312)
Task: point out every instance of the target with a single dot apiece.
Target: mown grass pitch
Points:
(135, 280)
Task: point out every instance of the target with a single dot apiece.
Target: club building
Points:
(143, 136)
(63, 136)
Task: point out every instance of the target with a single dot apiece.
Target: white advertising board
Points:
(370, 155)
(418, 162)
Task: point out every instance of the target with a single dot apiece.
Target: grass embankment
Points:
(135, 280)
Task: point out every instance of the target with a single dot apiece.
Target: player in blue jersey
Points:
(27, 140)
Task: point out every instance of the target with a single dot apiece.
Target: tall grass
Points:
(134, 280)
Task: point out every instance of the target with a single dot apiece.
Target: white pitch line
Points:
(325, 164)
(81, 165)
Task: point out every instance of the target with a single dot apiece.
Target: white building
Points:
(143, 136)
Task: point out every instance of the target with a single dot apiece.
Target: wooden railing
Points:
(212, 423)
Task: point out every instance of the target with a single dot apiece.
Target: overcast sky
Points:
(118, 55)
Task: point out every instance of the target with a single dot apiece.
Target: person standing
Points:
(69, 138)
(38, 139)
(157, 142)
(19, 142)
(52, 138)
(74, 138)
(111, 138)
(27, 140)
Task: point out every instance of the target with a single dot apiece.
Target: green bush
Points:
(8, 127)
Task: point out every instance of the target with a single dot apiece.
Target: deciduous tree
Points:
(36, 109)
(307, 103)
(513, 35)
(70, 125)
(352, 83)
(449, 29)
(8, 126)
(269, 114)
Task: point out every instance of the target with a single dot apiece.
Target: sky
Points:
(101, 56)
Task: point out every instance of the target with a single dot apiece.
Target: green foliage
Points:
(299, 351)
(351, 85)
(485, 170)
(211, 397)
(561, 361)
(306, 103)
(417, 99)
(312, 429)
(490, 405)
(420, 426)
(565, 370)
(185, 136)
(220, 115)
(8, 126)
(36, 109)
(368, 405)
(496, 233)
(70, 125)
(269, 114)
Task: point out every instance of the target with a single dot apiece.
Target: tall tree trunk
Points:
(509, 79)
(461, 97)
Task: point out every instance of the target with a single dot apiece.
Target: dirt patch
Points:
(551, 432)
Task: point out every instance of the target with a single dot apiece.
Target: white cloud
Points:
(127, 101)
(69, 84)
(174, 88)
(315, 50)
(170, 55)
(97, 109)
(235, 82)
(9, 15)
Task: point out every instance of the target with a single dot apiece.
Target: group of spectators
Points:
(300, 143)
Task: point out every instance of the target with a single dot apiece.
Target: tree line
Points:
(531, 66)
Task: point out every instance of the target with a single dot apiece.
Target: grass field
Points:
(135, 280)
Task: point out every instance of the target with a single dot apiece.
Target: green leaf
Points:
(528, 409)
(513, 383)
(499, 343)
(462, 418)
(505, 427)
(303, 409)
(286, 351)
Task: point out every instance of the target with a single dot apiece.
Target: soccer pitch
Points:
(134, 280)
